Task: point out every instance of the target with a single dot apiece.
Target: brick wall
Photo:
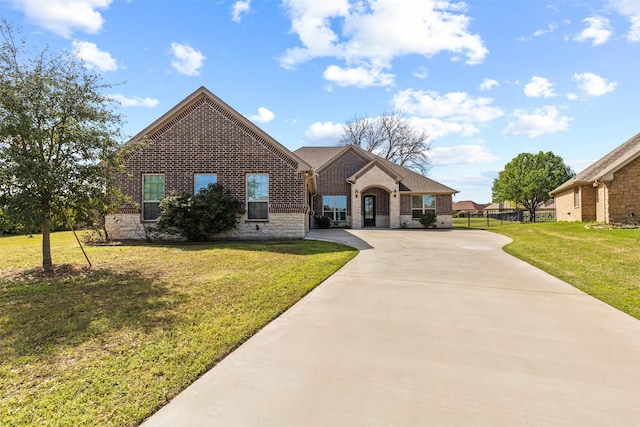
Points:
(565, 207)
(624, 194)
(203, 139)
(332, 180)
(444, 204)
(588, 202)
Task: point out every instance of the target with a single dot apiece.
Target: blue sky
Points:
(488, 79)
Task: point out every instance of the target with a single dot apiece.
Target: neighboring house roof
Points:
(468, 205)
(202, 94)
(607, 166)
(410, 181)
(496, 206)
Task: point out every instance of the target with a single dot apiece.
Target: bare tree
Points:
(391, 136)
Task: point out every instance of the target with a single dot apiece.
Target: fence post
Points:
(468, 219)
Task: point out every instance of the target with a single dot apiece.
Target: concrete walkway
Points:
(428, 328)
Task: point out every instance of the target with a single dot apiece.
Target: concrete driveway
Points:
(428, 328)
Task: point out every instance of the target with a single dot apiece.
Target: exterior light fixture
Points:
(395, 193)
(356, 192)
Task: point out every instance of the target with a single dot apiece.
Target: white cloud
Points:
(598, 30)
(539, 87)
(327, 133)
(136, 101)
(365, 34)
(462, 154)
(421, 73)
(438, 128)
(630, 9)
(542, 31)
(594, 85)
(488, 84)
(239, 8)
(454, 106)
(543, 120)
(264, 115)
(94, 57)
(64, 16)
(187, 60)
(357, 76)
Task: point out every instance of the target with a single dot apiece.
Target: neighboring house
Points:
(357, 189)
(607, 191)
(469, 206)
(203, 140)
(510, 206)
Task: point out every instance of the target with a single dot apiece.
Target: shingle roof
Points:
(606, 166)
(468, 205)
(318, 157)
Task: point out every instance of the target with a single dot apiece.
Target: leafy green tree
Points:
(59, 137)
(528, 179)
(199, 217)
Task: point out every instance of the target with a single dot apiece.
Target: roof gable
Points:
(607, 166)
(202, 96)
(410, 181)
(380, 165)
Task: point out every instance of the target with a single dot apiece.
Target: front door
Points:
(369, 211)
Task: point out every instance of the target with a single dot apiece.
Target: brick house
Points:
(607, 191)
(469, 207)
(357, 189)
(203, 140)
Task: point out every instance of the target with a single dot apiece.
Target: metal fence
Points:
(495, 217)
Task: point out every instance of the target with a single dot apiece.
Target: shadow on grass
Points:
(44, 313)
(293, 247)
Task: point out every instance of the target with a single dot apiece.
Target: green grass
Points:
(602, 262)
(112, 344)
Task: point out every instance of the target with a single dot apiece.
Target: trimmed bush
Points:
(199, 218)
(322, 221)
(428, 220)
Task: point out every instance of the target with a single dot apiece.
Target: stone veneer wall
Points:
(279, 226)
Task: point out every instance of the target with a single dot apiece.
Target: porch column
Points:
(394, 208)
(356, 208)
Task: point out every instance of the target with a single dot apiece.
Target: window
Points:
(202, 181)
(421, 204)
(335, 207)
(258, 196)
(152, 193)
(576, 197)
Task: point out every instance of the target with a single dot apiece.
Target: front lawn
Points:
(112, 344)
(602, 262)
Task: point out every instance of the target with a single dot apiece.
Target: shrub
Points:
(322, 221)
(198, 218)
(428, 220)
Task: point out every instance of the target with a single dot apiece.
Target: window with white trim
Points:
(335, 207)
(422, 204)
(258, 196)
(152, 194)
(203, 180)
